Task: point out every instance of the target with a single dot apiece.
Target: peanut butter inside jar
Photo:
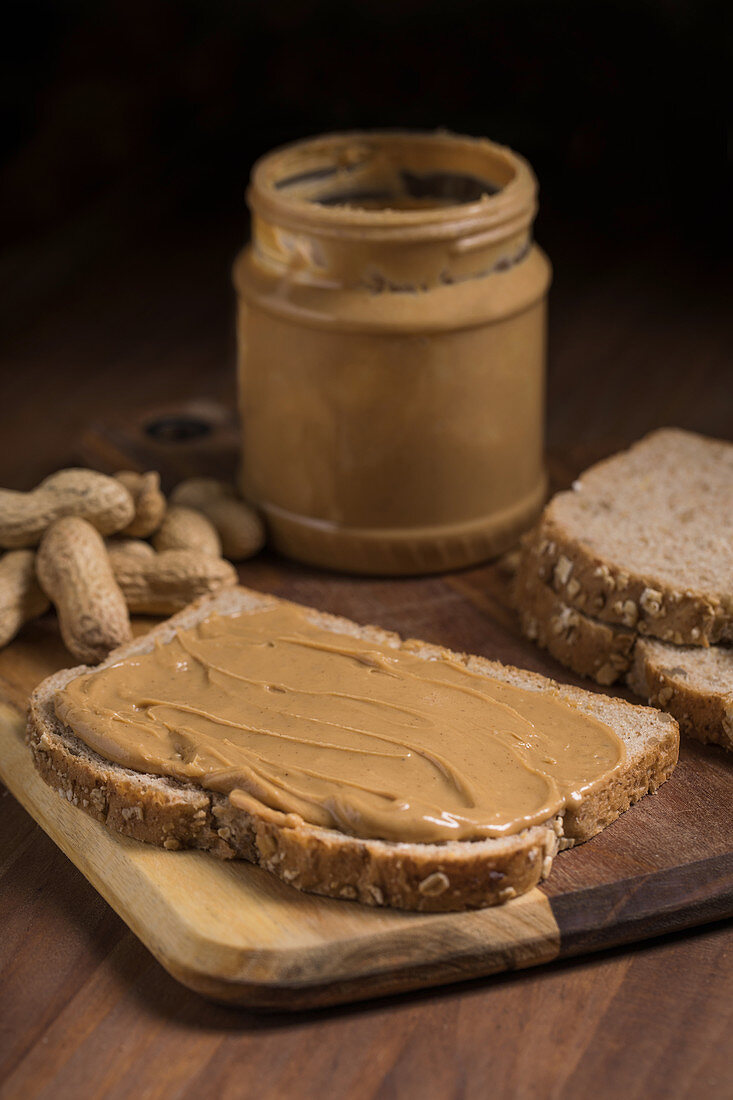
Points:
(391, 333)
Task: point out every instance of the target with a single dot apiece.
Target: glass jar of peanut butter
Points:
(391, 328)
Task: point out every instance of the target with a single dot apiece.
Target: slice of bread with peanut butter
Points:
(341, 758)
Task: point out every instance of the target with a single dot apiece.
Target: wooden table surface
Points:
(100, 321)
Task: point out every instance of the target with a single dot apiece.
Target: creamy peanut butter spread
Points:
(280, 713)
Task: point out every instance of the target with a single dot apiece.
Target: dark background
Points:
(619, 106)
(129, 129)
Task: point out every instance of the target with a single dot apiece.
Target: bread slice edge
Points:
(657, 673)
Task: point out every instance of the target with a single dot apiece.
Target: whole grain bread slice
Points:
(645, 539)
(692, 683)
(427, 877)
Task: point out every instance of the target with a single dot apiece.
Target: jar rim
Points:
(285, 183)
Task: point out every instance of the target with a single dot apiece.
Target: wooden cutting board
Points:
(234, 933)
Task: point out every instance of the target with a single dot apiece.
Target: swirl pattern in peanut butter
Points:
(282, 714)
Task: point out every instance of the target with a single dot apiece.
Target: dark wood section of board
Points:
(121, 333)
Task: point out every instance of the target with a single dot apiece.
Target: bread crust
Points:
(590, 582)
(705, 715)
(422, 877)
(601, 651)
(607, 653)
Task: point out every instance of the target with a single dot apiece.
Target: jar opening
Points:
(395, 188)
(372, 179)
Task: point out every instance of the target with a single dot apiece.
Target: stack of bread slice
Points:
(629, 576)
